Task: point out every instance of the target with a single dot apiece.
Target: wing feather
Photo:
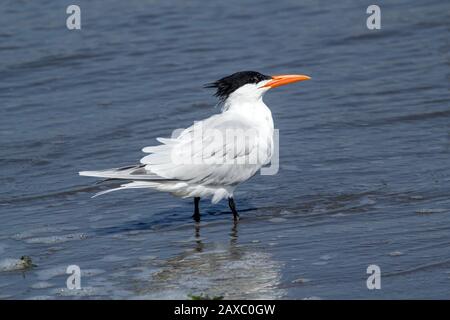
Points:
(204, 153)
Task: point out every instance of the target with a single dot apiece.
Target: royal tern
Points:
(213, 156)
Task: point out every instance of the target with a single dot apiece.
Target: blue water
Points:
(364, 149)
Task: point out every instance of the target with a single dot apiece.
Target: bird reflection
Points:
(198, 240)
(213, 267)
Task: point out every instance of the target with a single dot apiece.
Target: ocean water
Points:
(364, 150)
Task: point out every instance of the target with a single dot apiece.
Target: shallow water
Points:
(364, 150)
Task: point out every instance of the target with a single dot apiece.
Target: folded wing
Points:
(224, 149)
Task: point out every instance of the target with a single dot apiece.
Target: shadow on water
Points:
(174, 219)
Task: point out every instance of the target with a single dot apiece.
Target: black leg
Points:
(196, 214)
(233, 208)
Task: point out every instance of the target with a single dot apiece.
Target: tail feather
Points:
(131, 185)
(137, 172)
(107, 191)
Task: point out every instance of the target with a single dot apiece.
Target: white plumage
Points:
(213, 156)
(202, 161)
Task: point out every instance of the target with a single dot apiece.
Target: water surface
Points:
(364, 149)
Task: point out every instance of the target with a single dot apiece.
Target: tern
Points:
(213, 156)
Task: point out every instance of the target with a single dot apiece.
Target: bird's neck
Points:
(252, 108)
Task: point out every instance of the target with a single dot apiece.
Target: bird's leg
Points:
(233, 208)
(196, 214)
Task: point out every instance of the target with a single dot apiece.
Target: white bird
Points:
(213, 156)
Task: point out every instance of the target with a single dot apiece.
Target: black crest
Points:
(228, 85)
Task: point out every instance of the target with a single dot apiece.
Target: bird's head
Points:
(251, 84)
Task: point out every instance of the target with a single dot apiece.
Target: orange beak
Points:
(283, 79)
